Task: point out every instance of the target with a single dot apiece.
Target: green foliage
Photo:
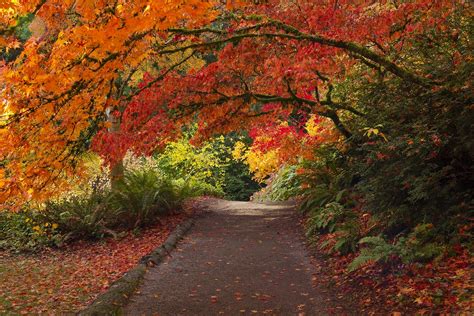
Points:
(282, 186)
(22, 31)
(377, 250)
(324, 180)
(209, 168)
(326, 199)
(422, 169)
(408, 163)
(194, 187)
(141, 196)
(334, 219)
(347, 234)
(82, 216)
(324, 220)
(206, 163)
(138, 200)
(26, 230)
(418, 246)
(421, 245)
(238, 182)
(151, 187)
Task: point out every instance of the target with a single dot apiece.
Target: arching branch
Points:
(285, 31)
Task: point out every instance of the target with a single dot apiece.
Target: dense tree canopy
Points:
(266, 62)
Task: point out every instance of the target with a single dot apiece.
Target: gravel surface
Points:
(241, 258)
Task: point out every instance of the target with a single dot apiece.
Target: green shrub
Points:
(139, 199)
(143, 195)
(208, 168)
(347, 237)
(194, 187)
(238, 182)
(324, 220)
(325, 180)
(281, 186)
(419, 246)
(409, 160)
(82, 216)
(377, 250)
(334, 218)
(205, 164)
(27, 231)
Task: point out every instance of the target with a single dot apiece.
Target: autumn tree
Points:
(284, 61)
(57, 91)
(271, 61)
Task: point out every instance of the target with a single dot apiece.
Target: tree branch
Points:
(292, 33)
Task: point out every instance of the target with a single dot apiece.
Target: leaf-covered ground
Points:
(444, 287)
(66, 280)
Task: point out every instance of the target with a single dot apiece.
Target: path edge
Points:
(117, 296)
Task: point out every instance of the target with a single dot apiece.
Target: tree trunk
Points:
(116, 170)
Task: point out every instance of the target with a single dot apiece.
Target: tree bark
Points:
(116, 170)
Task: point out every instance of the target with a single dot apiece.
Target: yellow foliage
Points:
(260, 164)
(205, 163)
(263, 164)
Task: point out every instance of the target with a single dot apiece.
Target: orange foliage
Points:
(56, 92)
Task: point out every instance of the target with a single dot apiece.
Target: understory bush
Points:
(81, 216)
(418, 246)
(281, 186)
(141, 196)
(138, 200)
(344, 202)
(150, 188)
(208, 168)
(26, 230)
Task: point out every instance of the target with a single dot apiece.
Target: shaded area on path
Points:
(240, 259)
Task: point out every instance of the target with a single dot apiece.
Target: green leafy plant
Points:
(82, 216)
(418, 246)
(141, 196)
(281, 186)
(324, 220)
(378, 250)
(27, 231)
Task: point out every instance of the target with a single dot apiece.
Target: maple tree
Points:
(304, 49)
(297, 56)
(278, 143)
(57, 91)
(401, 67)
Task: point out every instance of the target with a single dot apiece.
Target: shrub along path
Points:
(242, 258)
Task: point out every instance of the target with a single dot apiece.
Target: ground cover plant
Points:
(360, 110)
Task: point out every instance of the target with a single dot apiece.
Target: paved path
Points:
(240, 259)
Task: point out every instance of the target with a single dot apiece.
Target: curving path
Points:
(241, 258)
